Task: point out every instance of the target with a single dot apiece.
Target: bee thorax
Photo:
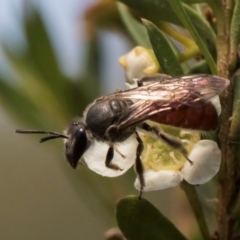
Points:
(103, 118)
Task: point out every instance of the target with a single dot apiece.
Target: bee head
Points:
(75, 140)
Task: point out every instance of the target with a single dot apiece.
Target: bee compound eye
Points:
(76, 146)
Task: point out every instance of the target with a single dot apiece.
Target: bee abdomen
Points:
(203, 118)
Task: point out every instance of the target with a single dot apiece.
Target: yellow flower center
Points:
(159, 156)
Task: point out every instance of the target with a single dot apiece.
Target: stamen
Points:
(184, 132)
(122, 155)
(172, 155)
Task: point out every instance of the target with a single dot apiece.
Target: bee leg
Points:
(109, 157)
(122, 155)
(138, 164)
(171, 141)
(175, 143)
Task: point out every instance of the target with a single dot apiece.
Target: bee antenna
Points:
(54, 135)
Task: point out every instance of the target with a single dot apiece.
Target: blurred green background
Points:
(55, 58)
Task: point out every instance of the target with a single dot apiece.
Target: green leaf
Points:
(194, 201)
(187, 22)
(36, 90)
(200, 67)
(139, 219)
(40, 51)
(72, 94)
(135, 28)
(161, 10)
(193, 1)
(18, 105)
(234, 133)
(234, 34)
(163, 50)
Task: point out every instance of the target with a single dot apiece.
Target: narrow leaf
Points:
(187, 22)
(234, 34)
(193, 198)
(43, 60)
(19, 105)
(234, 133)
(193, 1)
(161, 10)
(200, 67)
(139, 219)
(163, 50)
(135, 28)
(35, 89)
(40, 51)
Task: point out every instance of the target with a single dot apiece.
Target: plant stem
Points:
(228, 171)
(193, 199)
(173, 33)
(188, 54)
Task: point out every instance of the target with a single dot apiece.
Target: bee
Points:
(184, 102)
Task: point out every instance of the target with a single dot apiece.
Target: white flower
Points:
(164, 166)
(206, 158)
(95, 157)
(137, 64)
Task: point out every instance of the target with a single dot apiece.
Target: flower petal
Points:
(138, 63)
(216, 103)
(159, 180)
(96, 155)
(206, 157)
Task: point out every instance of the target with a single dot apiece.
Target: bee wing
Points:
(160, 95)
(138, 112)
(189, 89)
